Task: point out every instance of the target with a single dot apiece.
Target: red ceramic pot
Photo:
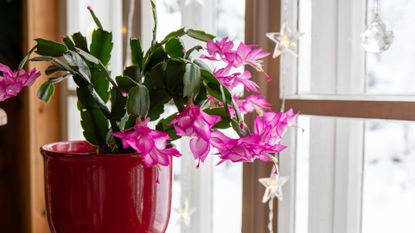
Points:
(96, 193)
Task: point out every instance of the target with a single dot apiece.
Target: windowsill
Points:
(369, 97)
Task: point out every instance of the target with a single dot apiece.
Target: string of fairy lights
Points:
(285, 42)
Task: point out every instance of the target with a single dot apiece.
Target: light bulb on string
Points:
(285, 41)
(184, 213)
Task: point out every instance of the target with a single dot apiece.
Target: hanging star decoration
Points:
(184, 213)
(286, 40)
(188, 2)
(273, 186)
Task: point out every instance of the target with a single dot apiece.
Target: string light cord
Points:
(270, 215)
(282, 109)
(376, 9)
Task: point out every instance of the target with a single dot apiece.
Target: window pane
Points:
(320, 49)
(227, 205)
(227, 196)
(74, 119)
(302, 177)
(331, 59)
(230, 21)
(392, 72)
(304, 45)
(389, 177)
(169, 17)
(354, 175)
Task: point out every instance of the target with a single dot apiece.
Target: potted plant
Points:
(119, 178)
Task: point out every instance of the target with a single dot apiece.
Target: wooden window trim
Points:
(392, 110)
(40, 124)
(260, 17)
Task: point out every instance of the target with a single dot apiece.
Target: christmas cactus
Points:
(116, 109)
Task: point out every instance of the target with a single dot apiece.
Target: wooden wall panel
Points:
(41, 123)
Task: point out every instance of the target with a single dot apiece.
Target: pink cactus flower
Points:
(231, 81)
(149, 143)
(244, 79)
(247, 55)
(244, 55)
(196, 124)
(244, 149)
(253, 103)
(12, 82)
(265, 140)
(271, 127)
(217, 50)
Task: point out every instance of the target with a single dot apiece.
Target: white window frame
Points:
(336, 44)
(335, 176)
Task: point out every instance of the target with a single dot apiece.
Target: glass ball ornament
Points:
(377, 37)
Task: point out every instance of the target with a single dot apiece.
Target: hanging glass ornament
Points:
(377, 37)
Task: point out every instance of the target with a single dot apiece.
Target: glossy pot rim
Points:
(78, 149)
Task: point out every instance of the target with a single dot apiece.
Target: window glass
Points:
(304, 46)
(302, 177)
(169, 17)
(230, 15)
(358, 175)
(227, 205)
(74, 119)
(392, 71)
(389, 177)
(332, 60)
(227, 196)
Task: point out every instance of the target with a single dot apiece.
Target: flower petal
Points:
(199, 148)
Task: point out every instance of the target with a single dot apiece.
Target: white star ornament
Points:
(286, 40)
